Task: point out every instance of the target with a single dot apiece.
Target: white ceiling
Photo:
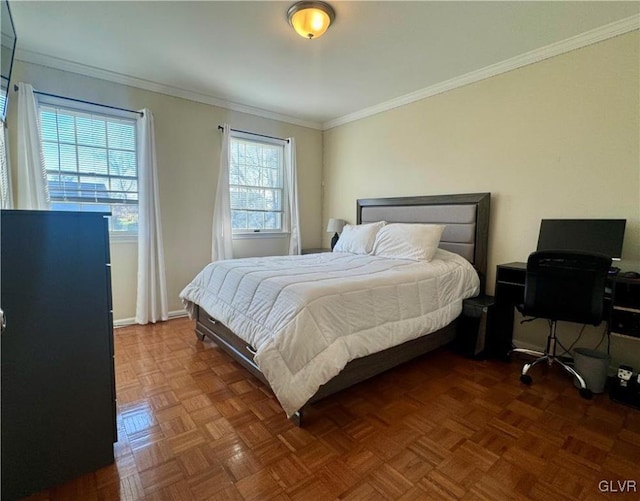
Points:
(246, 53)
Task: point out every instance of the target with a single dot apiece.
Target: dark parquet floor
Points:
(194, 425)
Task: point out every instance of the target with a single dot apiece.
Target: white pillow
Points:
(358, 239)
(408, 241)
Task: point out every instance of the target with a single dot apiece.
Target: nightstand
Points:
(315, 251)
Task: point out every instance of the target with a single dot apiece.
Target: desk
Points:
(509, 292)
(621, 312)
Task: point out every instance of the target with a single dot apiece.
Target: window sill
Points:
(260, 234)
(128, 238)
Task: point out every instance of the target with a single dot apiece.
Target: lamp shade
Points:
(310, 19)
(335, 225)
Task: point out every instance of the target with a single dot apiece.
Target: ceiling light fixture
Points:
(310, 19)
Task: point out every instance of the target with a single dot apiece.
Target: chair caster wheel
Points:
(526, 379)
(586, 393)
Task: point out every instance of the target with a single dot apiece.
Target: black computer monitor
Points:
(603, 236)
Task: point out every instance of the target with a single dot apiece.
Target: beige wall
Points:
(554, 139)
(188, 149)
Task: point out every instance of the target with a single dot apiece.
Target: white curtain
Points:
(221, 240)
(6, 189)
(151, 305)
(292, 188)
(33, 192)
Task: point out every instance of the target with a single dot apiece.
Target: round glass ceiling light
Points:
(310, 19)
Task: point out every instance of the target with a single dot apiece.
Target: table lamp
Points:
(335, 226)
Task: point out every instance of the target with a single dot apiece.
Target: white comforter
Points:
(308, 316)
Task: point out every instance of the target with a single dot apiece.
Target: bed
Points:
(309, 326)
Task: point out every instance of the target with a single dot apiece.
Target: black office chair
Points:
(563, 285)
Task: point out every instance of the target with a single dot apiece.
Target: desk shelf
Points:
(624, 308)
(624, 336)
(624, 317)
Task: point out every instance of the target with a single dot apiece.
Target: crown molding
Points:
(111, 76)
(555, 49)
(576, 42)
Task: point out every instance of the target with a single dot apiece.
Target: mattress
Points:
(308, 316)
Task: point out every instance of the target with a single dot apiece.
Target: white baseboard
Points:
(123, 322)
(528, 346)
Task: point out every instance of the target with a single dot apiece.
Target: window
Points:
(256, 184)
(91, 163)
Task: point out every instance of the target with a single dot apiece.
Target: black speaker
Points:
(625, 322)
(473, 326)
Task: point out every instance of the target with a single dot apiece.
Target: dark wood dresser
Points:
(58, 387)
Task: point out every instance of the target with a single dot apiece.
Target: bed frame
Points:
(467, 229)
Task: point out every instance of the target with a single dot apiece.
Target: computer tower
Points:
(473, 326)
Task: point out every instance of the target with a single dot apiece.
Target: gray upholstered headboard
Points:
(466, 217)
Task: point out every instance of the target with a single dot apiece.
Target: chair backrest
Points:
(566, 285)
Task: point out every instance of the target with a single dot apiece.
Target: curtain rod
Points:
(15, 88)
(254, 134)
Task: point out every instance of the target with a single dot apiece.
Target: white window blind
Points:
(6, 197)
(3, 101)
(91, 163)
(256, 184)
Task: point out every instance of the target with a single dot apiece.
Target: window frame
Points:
(284, 231)
(122, 236)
